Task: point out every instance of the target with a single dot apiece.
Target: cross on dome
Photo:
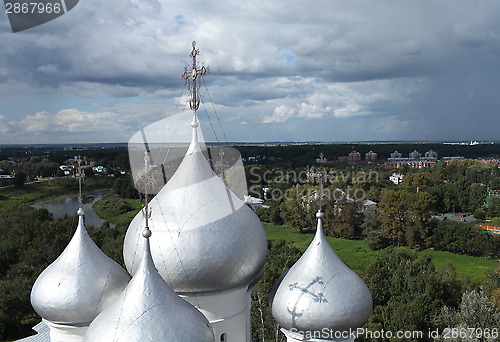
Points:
(321, 160)
(191, 77)
(80, 175)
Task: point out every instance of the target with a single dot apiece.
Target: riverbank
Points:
(36, 192)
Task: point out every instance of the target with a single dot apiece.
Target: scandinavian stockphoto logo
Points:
(25, 14)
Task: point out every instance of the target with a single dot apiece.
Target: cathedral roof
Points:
(79, 284)
(321, 292)
(148, 310)
(205, 239)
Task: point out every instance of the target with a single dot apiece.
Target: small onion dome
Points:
(205, 239)
(321, 292)
(79, 284)
(148, 310)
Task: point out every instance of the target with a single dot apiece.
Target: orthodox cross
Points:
(191, 77)
(80, 175)
(220, 165)
(321, 160)
(147, 184)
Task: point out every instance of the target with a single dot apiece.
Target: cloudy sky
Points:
(296, 70)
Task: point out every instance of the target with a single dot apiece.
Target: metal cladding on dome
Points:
(205, 239)
(321, 292)
(79, 284)
(148, 310)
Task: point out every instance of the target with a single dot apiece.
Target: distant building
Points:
(456, 217)
(99, 169)
(494, 161)
(396, 178)
(493, 193)
(396, 163)
(415, 160)
(449, 160)
(66, 169)
(431, 154)
(254, 202)
(368, 204)
(6, 180)
(396, 154)
(353, 158)
(415, 155)
(371, 157)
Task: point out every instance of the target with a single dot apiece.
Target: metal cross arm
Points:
(192, 76)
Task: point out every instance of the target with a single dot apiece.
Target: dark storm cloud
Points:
(279, 69)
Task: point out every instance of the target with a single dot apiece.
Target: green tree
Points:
(491, 287)
(422, 179)
(476, 198)
(407, 291)
(19, 179)
(35, 240)
(475, 312)
(271, 214)
(405, 217)
(343, 218)
(280, 258)
(300, 207)
(494, 207)
(495, 183)
(124, 186)
(462, 238)
(371, 229)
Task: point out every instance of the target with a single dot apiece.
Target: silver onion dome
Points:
(79, 284)
(205, 239)
(321, 292)
(148, 310)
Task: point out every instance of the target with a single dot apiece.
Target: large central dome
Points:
(205, 239)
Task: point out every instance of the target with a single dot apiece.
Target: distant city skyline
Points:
(319, 70)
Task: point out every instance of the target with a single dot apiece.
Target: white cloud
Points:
(271, 62)
(281, 113)
(4, 125)
(69, 120)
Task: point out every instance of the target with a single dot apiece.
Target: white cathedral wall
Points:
(65, 332)
(228, 312)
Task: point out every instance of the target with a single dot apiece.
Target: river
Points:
(69, 204)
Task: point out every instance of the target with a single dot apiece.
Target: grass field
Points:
(357, 255)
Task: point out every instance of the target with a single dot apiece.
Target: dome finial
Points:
(191, 77)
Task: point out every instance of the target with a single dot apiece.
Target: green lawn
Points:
(357, 255)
